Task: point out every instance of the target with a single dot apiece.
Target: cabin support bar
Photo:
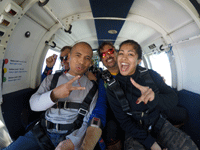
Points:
(182, 41)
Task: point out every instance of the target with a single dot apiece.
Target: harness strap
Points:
(58, 127)
(55, 79)
(119, 93)
(141, 117)
(84, 107)
(121, 97)
(40, 132)
(42, 137)
(115, 87)
(159, 124)
(144, 73)
(66, 104)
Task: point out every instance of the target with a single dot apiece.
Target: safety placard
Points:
(14, 70)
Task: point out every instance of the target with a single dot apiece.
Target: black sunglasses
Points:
(63, 58)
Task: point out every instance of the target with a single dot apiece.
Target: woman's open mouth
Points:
(124, 67)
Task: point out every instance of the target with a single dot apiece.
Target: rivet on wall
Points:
(27, 34)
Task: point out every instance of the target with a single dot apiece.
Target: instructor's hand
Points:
(50, 61)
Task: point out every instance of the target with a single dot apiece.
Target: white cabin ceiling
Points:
(168, 15)
(137, 31)
(80, 32)
(64, 8)
(38, 14)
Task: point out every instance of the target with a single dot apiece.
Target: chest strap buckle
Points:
(82, 111)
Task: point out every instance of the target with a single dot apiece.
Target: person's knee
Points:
(66, 144)
(176, 115)
(116, 146)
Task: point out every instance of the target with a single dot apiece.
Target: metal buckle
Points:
(129, 114)
(142, 114)
(106, 75)
(140, 121)
(57, 126)
(109, 84)
(65, 105)
(82, 113)
(150, 128)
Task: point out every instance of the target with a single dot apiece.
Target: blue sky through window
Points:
(160, 63)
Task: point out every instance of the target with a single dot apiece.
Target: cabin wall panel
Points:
(185, 32)
(190, 53)
(187, 54)
(19, 53)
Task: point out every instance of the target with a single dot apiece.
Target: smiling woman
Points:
(127, 59)
(138, 112)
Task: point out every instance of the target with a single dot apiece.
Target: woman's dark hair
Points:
(135, 45)
(102, 45)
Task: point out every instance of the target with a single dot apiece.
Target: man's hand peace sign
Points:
(147, 94)
(64, 90)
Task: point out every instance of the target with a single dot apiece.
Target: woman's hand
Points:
(155, 146)
(147, 94)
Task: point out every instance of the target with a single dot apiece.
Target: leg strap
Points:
(42, 137)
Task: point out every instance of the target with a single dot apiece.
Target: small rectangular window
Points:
(5, 22)
(2, 33)
(12, 12)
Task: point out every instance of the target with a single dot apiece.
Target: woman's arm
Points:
(166, 98)
(127, 123)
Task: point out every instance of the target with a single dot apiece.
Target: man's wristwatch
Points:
(47, 71)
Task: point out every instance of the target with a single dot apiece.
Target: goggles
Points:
(109, 51)
(63, 58)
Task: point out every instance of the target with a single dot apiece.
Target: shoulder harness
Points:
(39, 129)
(119, 93)
(82, 107)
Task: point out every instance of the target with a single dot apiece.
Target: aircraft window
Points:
(142, 64)
(161, 64)
(57, 65)
(102, 66)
